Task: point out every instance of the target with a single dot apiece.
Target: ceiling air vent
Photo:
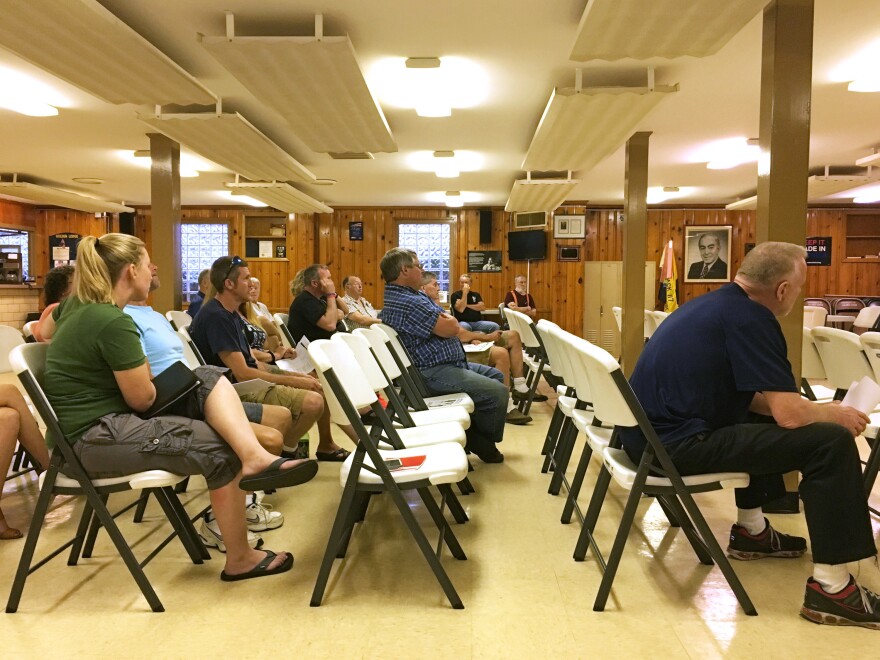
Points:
(352, 155)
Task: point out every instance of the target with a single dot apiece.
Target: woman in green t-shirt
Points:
(97, 379)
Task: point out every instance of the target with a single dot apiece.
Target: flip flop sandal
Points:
(336, 456)
(274, 477)
(10, 534)
(262, 569)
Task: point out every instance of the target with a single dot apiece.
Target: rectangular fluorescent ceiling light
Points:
(539, 194)
(615, 29)
(818, 187)
(88, 46)
(281, 196)
(69, 200)
(232, 142)
(580, 128)
(316, 85)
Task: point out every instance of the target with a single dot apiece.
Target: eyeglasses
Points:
(236, 261)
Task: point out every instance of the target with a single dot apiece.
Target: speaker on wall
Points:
(126, 223)
(485, 225)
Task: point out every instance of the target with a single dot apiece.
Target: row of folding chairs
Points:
(22, 462)
(595, 398)
(354, 369)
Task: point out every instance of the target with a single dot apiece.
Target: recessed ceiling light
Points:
(656, 194)
(453, 198)
(868, 195)
(88, 180)
(860, 70)
(443, 163)
(28, 96)
(727, 153)
(432, 86)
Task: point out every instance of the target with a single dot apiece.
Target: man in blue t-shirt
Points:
(431, 338)
(704, 378)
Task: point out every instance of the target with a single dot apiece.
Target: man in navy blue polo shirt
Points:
(431, 337)
(716, 384)
(218, 332)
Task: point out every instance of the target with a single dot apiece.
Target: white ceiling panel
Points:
(317, 86)
(281, 196)
(83, 43)
(818, 187)
(581, 128)
(539, 194)
(615, 29)
(53, 196)
(232, 142)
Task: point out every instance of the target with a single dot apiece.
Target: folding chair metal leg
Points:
(142, 505)
(180, 522)
(671, 516)
(585, 539)
(356, 514)
(455, 507)
(465, 487)
(552, 432)
(872, 465)
(106, 521)
(566, 447)
(339, 523)
(717, 553)
(675, 512)
(425, 547)
(30, 543)
(446, 533)
(181, 487)
(82, 529)
(613, 561)
(94, 527)
(575, 488)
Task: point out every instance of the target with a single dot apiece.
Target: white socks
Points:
(832, 577)
(510, 404)
(752, 520)
(519, 384)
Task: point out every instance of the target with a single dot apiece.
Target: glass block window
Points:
(200, 246)
(21, 239)
(431, 242)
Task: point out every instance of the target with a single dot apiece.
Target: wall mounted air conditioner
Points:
(530, 219)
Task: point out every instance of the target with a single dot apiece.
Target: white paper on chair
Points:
(302, 363)
(478, 348)
(864, 395)
(251, 386)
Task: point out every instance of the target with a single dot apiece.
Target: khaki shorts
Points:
(278, 395)
(479, 358)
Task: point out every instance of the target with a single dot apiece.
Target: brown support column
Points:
(783, 168)
(165, 219)
(635, 247)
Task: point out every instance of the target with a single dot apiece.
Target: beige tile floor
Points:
(524, 596)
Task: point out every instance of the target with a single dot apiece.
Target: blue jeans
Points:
(485, 385)
(480, 326)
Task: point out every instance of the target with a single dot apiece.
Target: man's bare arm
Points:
(792, 411)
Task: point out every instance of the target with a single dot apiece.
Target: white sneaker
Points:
(209, 532)
(261, 517)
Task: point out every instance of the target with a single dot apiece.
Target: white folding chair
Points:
(812, 369)
(814, 316)
(9, 339)
(843, 358)
(66, 476)
(365, 472)
(27, 330)
(191, 353)
(178, 319)
(866, 319)
(534, 355)
(615, 403)
(281, 322)
(411, 383)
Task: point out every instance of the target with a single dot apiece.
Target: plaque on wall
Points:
(62, 248)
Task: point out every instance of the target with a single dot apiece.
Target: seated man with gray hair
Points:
(430, 335)
(729, 403)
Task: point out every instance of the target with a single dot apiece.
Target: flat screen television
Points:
(527, 245)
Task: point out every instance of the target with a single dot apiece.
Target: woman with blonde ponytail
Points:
(98, 379)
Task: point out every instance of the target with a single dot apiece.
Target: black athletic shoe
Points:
(768, 543)
(854, 606)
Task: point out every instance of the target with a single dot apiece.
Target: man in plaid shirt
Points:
(431, 338)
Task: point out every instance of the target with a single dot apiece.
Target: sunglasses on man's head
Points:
(236, 261)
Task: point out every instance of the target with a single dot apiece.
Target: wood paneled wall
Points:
(556, 286)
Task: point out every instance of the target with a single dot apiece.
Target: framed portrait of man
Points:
(707, 253)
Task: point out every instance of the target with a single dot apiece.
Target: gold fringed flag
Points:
(668, 277)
